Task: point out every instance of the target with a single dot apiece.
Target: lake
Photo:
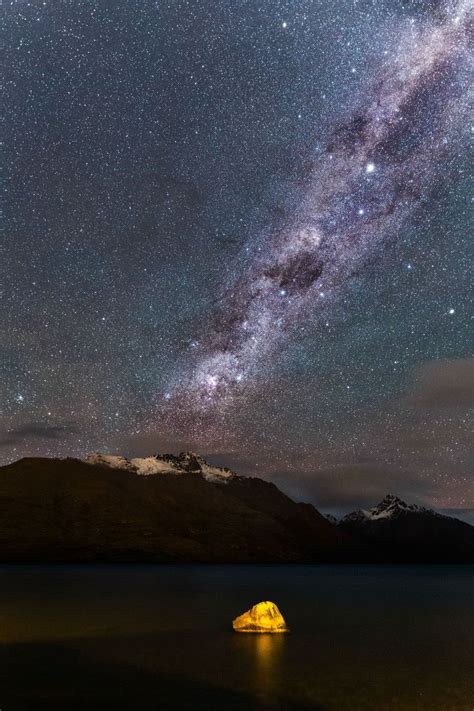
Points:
(160, 637)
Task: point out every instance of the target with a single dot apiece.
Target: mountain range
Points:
(169, 508)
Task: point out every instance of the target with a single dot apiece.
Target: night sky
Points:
(242, 227)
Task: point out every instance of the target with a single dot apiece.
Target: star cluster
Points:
(243, 230)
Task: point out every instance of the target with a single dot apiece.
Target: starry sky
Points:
(243, 228)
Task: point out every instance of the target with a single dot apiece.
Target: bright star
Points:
(284, 25)
(370, 167)
(451, 312)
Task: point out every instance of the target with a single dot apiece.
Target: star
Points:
(173, 231)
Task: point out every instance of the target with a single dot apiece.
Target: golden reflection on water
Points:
(264, 654)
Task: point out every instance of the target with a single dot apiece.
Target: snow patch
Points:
(184, 463)
(151, 465)
(216, 474)
(113, 461)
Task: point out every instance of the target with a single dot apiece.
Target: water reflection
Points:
(262, 654)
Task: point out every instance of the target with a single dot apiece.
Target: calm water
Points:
(150, 637)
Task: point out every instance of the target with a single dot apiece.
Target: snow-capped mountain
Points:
(408, 532)
(183, 463)
(390, 507)
(110, 509)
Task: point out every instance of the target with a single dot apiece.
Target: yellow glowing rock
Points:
(263, 617)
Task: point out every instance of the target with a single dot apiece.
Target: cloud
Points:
(443, 384)
(37, 431)
(352, 485)
(418, 446)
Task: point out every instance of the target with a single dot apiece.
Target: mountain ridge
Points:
(178, 508)
(69, 510)
(184, 462)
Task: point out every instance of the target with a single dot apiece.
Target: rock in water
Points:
(263, 617)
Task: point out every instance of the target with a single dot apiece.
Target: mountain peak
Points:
(192, 461)
(391, 499)
(391, 506)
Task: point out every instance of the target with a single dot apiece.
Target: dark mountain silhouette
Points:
(180, 509)
(69, 510)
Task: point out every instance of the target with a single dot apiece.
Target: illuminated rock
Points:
(263, 617)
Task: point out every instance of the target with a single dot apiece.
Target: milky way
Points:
(242, 228)
(377, 168)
